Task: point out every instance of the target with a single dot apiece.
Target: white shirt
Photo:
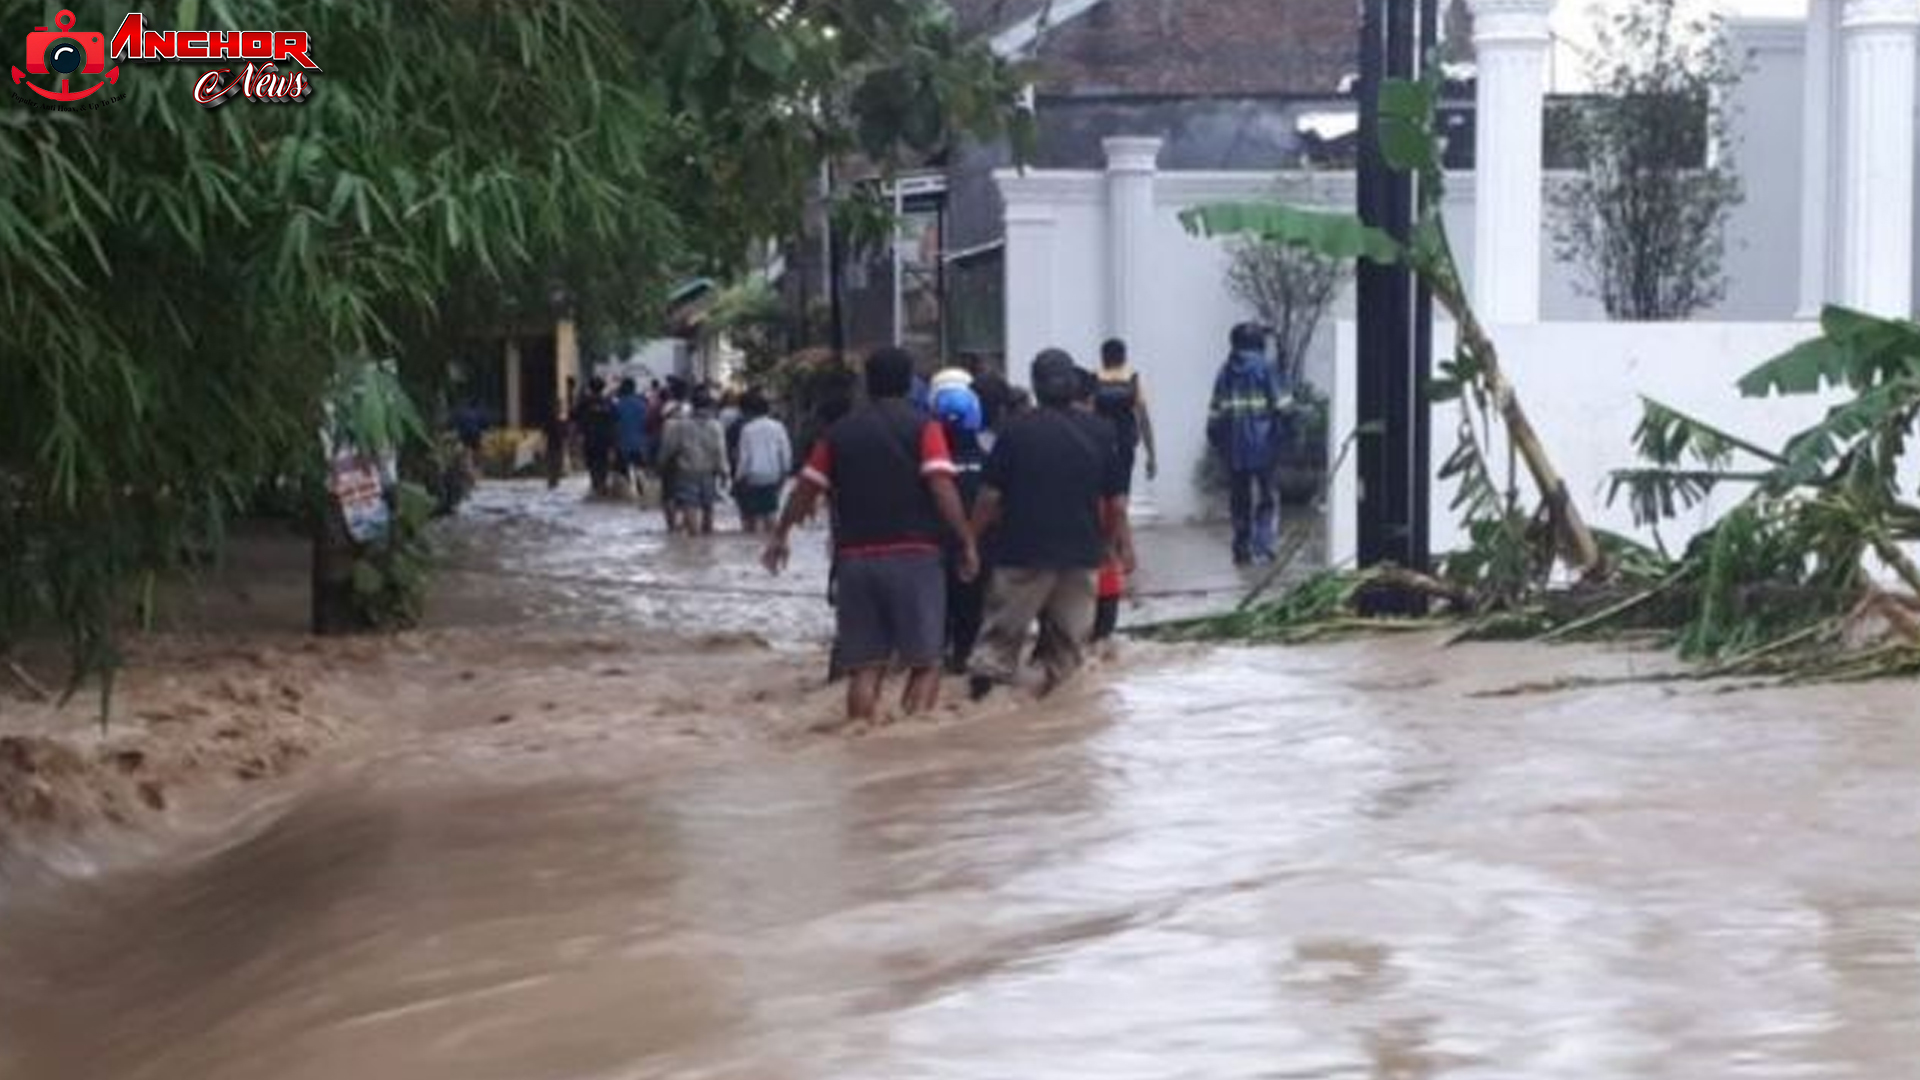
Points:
(765, 454)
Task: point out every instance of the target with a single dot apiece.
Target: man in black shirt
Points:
(597, 426)
(1055, 490)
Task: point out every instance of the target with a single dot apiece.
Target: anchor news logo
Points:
(64, 52)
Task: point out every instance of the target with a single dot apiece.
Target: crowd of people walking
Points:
(975, 528)
(983, 533)
(692, 444)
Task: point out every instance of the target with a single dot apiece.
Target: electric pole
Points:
(1395, 316)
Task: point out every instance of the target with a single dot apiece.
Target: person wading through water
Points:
(958, 409)
(694, 452)
(1244, 426)
(598, 424)
(1054, 490)
(890, 477)
(630, 431)
(673, 405)
(1122, 401)
(761, 463)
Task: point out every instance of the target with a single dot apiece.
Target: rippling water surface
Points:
(1326, 863)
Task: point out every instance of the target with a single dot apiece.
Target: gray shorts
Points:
(695, 492)
(891, 607)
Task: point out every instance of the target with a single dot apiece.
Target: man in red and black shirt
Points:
(890, 476)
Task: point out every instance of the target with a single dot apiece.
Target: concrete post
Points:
(512, 362)
(1029, 285)
(566, 361)
(1131, 164)
(1511, 39)
(1878, 40)
(1817, 159)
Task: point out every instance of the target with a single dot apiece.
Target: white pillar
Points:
(566, 361)
(1131, 163)
(1511, 40)
(1876, 178)
(513, 417)
(1817, 161)
(1029, 282)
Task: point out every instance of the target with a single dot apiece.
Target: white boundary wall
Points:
(1581, 385)
(1074, 250)
(1064, 282)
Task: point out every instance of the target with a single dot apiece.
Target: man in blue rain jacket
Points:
(1244, 425)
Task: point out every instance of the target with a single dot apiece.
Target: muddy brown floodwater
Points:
(1319, 863)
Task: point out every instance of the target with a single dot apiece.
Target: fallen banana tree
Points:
(1807, 576)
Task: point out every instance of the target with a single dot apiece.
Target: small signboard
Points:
(354, 481)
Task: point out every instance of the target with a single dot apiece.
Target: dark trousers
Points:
(1255, 512)
(1106, 618)
(599, 462)
(556, 454)
(966, 607)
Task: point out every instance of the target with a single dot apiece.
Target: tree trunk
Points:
(333, 611)
(1576, 542)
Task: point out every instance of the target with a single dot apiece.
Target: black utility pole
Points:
(1395, 318)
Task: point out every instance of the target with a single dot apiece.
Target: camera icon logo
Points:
(64, 52)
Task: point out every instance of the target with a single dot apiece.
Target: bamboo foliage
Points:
(179, 285)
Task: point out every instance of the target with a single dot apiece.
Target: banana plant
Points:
(1411, 143)
(1833, 488)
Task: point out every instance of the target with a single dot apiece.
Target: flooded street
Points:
(1329, 863)
(546, 556)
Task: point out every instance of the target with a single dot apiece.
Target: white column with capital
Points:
(1818, 156)
(1030, 223)
(1131, 164)
(1511, 39)
(1876, 173)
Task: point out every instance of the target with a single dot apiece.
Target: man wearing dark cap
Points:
(1243, 424)
(1054, 496)
(890, 475)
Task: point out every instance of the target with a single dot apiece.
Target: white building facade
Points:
(1825, 124)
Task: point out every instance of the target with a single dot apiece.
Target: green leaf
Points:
(1666, 436)
(1855, 349)
(1334, 235)
(1406, 99)
(1807, 368)
(767, 51)
(1811, 451)
(1657, 494)
(1406, 126)
(1406, 148)
(368, 581)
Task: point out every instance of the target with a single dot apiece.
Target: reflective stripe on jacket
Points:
(1243, 421)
